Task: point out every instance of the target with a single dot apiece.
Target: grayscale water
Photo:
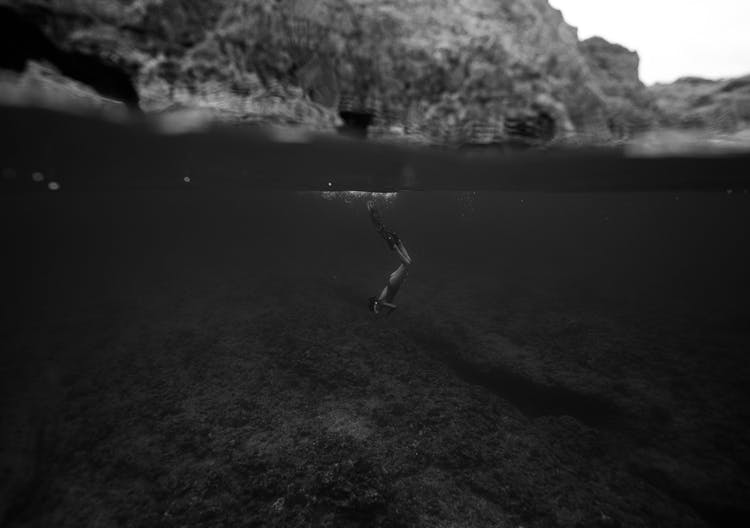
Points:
(201, 353)
(178, 356)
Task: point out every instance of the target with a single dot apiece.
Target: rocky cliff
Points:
(695, 103)
(614, 67)
(614, 70)
(446, 70)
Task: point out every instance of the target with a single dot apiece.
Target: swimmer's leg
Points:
(402, 253)
(395, 280)
(383, 294)
(390, 237)
(377, 220)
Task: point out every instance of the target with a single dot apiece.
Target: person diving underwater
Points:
(384, 302)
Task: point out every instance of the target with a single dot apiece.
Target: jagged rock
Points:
(692, 102)
(43, 86)
(630, 109)
(21, 42)
(435, 67)
(614, 67)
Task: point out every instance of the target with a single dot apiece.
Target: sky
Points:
(674, 38)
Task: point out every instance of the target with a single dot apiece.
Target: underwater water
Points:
(199, 357)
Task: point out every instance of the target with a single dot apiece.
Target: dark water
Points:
(626, 313)
(680, 252)
(188, 355)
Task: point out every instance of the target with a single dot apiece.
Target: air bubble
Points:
(37, 177)
(330, 184)
(53, 186)
(186, 179)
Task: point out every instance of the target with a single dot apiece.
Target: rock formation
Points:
(21, 42)
(695, 103)
(436, 69)
(614, 68)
